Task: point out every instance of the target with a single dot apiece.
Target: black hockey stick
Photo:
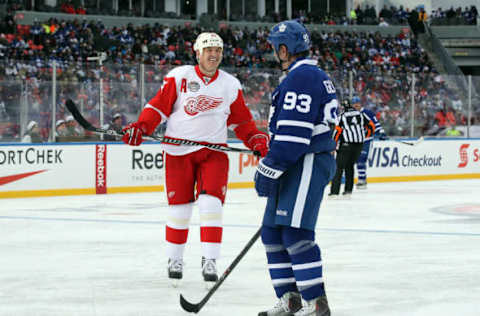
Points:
(167, 140)
(414, 143)
(195, 308)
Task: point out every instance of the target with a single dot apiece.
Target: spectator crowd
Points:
(381, 67)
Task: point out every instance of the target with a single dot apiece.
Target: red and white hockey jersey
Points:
(198, 108)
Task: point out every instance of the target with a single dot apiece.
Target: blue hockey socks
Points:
(306, 261)
(279, 264)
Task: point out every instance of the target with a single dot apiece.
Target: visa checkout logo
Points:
(463, 152)
(388, 157)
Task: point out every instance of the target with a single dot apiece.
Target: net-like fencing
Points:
(413, 104)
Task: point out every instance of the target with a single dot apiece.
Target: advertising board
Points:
(72, 169)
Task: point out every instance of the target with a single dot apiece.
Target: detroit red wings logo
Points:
(201, 103)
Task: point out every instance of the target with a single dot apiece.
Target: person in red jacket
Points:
(67, 7)
(197, 103)
(81, 10)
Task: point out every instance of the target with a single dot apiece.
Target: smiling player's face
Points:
(210, 59)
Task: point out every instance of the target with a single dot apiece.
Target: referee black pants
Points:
(347, 156)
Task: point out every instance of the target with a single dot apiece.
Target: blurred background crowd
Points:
(381, 68)
(362, 15)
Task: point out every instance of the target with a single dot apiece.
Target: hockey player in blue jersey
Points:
(294, 173)
(367, 145)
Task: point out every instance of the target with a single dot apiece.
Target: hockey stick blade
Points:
(418, 141)
(404, 142)
(195, 308)
(167, 140)
(414, 143)
(189, 307)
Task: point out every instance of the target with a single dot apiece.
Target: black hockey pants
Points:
(347, 155)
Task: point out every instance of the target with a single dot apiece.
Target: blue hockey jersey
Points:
(303, 106)
(378, 127)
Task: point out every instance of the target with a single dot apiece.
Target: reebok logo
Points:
(101, 169)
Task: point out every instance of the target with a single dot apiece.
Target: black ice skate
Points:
(315, 307)
(347, 195)
(175, 271)
(209, 270)
(287, 305)
(333, 196)
(361, 185)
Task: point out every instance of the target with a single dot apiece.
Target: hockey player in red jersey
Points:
(198, 103)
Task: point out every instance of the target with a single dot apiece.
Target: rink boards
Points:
(73, 169)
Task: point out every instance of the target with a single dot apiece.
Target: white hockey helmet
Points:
(207, 39)
(31, 125)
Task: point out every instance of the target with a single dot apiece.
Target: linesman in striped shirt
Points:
(350, 134)
(368, 144)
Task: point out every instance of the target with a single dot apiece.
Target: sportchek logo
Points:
(464, 157)
(31, 156)
(101, 169)
(201, 103)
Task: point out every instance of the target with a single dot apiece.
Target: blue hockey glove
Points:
(266, 178)
(383, 137)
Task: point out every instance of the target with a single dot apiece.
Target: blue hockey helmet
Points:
(292, 34)
(355, 99)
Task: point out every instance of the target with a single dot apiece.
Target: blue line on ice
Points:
(114, 221)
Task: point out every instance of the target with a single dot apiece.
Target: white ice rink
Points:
(396, 249)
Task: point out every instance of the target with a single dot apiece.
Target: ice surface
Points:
(394, 249)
